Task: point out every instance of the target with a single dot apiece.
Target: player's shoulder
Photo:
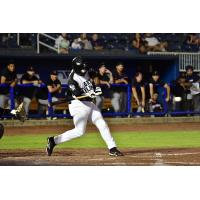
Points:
(4, 72)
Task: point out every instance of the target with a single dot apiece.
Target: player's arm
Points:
(3, 80)
(75, 89)
(13, 83)
(54, 89)
(135, 95)
(30, 82)
(166, 86)
(151, 90)
(143, 96)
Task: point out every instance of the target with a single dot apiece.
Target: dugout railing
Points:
(166, 111)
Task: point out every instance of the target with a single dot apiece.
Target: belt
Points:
(83, 99)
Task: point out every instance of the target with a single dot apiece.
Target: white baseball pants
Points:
(83, 111)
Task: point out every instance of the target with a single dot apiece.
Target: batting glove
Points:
(98, 91)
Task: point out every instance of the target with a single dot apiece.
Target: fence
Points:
(184, 59)
(129, 111)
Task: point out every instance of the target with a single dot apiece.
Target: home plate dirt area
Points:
(99, 156)
(92, 157)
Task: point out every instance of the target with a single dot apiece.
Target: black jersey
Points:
(79, 86)
(10, 77)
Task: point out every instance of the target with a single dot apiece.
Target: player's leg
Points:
(26, 102)
(2, 104)
(123, 102)
(80, 122)
(99, 102)
(97, 119)
(116, 101)
(80, 116)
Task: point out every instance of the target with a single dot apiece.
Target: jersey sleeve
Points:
(74, 88)
(4, 73)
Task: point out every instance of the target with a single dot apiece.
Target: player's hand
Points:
(91, 94)
(167, 99)
(98, 91)
(108, 84)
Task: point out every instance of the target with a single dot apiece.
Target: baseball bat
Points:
(64, 100)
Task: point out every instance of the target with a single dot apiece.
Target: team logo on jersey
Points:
(87, 86)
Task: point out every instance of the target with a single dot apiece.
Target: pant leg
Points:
(80, 117)
(196, 102)
(116, 101)
(3, 100)
(42, 106)
(97, 119)
(123, 102)
(26, 102)
(99, 102)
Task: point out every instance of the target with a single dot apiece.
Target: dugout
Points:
(168, 66)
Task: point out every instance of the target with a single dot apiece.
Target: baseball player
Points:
(82, 92)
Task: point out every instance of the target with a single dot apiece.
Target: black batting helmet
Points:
(79, 66)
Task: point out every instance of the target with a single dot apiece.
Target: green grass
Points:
(161, 139)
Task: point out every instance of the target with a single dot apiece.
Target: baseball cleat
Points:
(115, 152)
(50, 145)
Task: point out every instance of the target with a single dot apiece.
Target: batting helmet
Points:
(1, 130)
(79, 66)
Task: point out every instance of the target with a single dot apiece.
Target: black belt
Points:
(83, 99)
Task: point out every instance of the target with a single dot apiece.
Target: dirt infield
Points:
(93, 157)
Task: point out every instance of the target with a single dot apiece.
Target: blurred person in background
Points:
(154, 84)
(8, 77)
(62, 43)
(119, 95)
(153, 44)
(86, 44)
(96, 42)
(154, 104)
(138, 43)
(53, 86)
(193, 96)
(76, 44)
(105, 78)
(179, 92)
(28, 93)
(138, 90)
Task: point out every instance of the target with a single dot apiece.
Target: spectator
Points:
(86, 44)
(138, 89)
(191, 43)
(119, 96)
(155, 82)
(96, 43)
(138, 43)
(106, 78)
(28, 93)
(77, 44)
(53, 87)
(153, 44)
(193, 96)
(62, 43)
(8, 77)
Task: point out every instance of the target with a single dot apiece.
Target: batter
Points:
(83, 110)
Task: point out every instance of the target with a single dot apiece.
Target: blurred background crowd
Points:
(137, 42)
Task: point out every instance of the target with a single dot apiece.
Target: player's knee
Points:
(80, 132)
